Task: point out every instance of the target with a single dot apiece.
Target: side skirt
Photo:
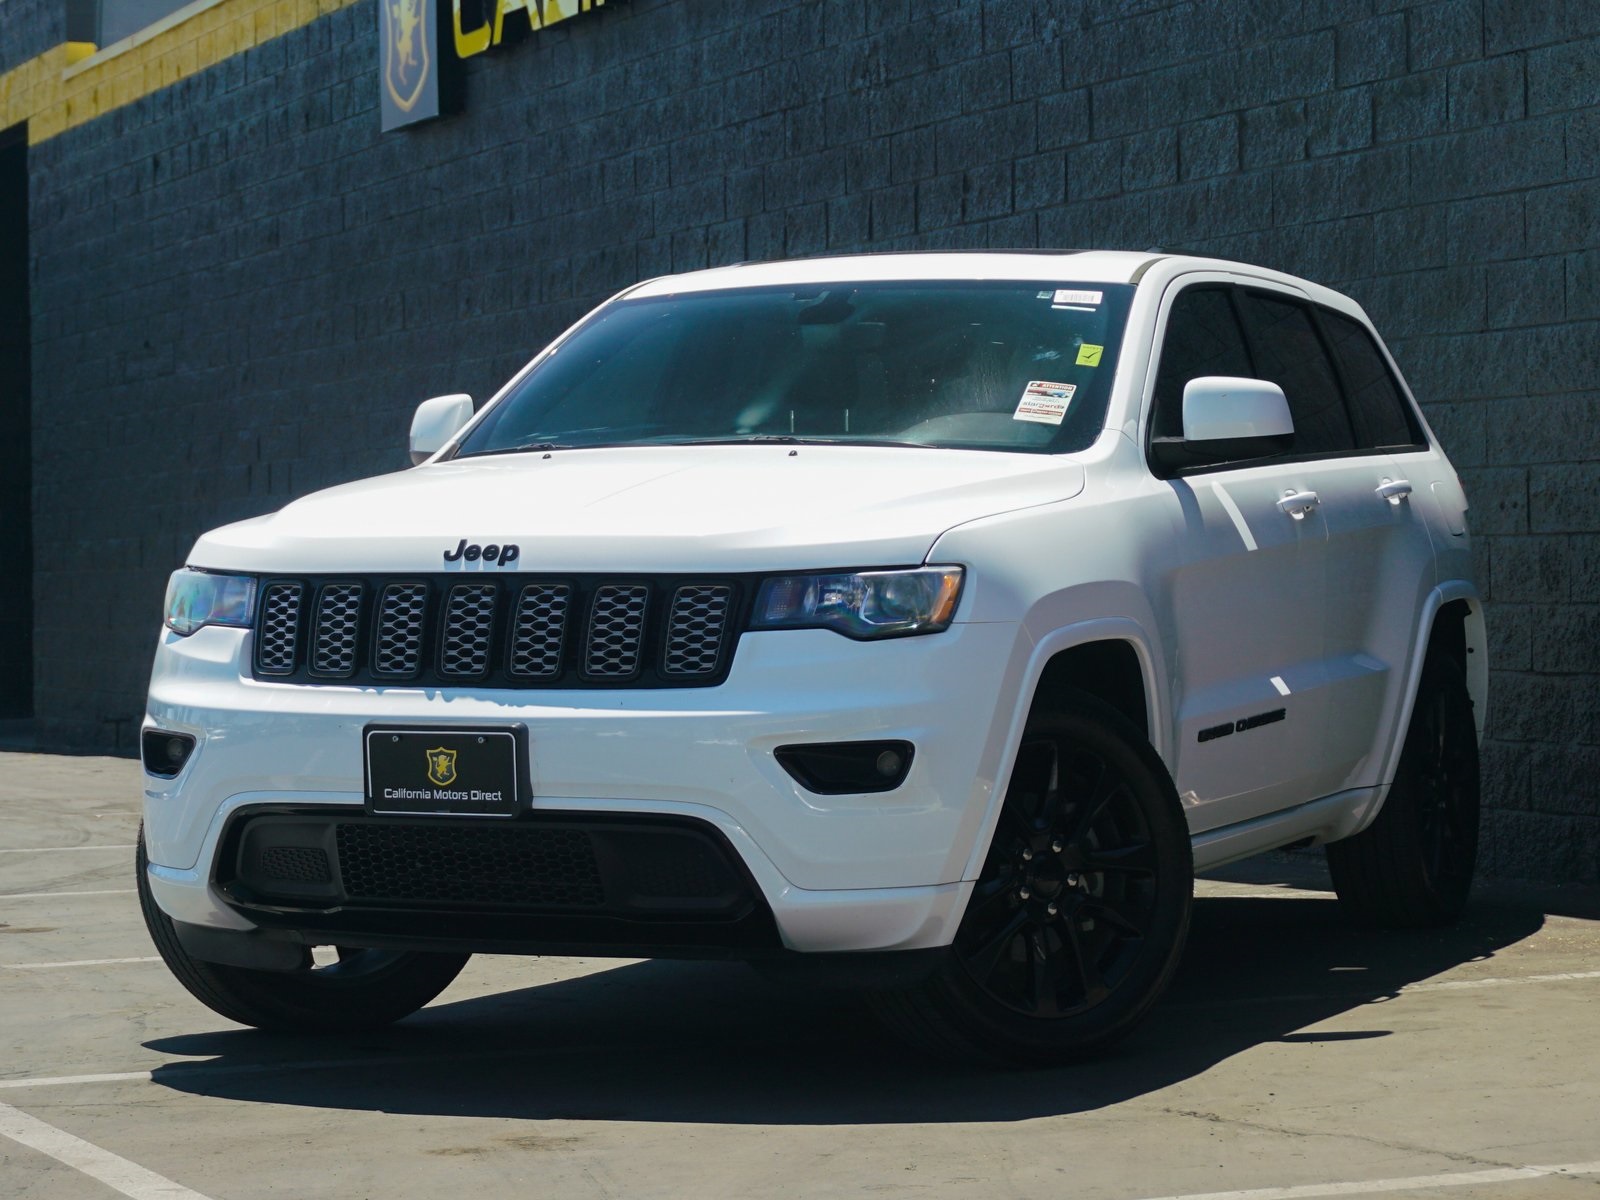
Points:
(1325, 820)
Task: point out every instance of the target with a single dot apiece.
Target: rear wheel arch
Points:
(1458, 632)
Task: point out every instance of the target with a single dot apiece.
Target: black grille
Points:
(538, 629)
(435, 864)
(279, 631)
(301, 864)
(696, 628)
(468, 627)
(510, 631)
(616, 631)
(399, 638)
(333, 647)
(549, 883)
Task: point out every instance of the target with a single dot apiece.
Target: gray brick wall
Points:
(242, 288)
(28, 28)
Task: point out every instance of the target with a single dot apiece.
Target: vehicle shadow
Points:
(713, 1042)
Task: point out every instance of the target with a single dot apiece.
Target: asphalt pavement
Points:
(1293, 1058)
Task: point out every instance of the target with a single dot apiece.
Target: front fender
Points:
(1034, 653)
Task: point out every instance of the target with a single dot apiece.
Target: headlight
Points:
(864, 604)
(199, 598)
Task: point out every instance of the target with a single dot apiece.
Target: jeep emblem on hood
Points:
(471, 552)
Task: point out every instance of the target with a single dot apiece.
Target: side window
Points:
(1202, 338)
(1287, 351)
(1382, 416)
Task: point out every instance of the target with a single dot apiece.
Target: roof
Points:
(1043, 266)
(1030, 266)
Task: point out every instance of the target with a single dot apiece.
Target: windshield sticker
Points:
(1089, 356)
(1044, 402)
(1044, 295)
(1068, 296)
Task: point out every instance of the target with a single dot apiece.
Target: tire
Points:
(363, 989)
(1412, 867)
(1079, 915)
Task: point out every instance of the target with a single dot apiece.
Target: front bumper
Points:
(836, 873)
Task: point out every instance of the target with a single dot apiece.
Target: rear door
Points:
(1376, 551)
(1374, 603)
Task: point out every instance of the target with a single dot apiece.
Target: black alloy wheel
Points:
(1441, 768)
(1079, 915)
(1413, 866)
(1068, 894)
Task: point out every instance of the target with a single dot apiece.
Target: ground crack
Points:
(1468, 1160)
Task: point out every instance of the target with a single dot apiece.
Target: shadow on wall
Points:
(695, 1042)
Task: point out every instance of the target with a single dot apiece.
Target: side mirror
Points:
(1226, 418)
(1221, 406)
(435, 423)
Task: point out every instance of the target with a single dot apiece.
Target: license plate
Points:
(455, 772)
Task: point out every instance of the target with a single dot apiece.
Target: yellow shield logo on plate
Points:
(441, 766)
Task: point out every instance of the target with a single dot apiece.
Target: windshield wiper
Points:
(751, 439)
(524, 448)
(748, 439)
(790, 439)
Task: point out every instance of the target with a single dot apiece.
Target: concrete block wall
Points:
(28, 28)
(241, 287)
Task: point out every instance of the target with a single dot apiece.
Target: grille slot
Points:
(694, 630)
(338, 627)
(279, 629)
(538, 629)
(616, 630)
(469, 865)
(299, 864)
(503, 631)
(401, 612)
(468, 627)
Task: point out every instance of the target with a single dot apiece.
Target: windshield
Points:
(990, 366)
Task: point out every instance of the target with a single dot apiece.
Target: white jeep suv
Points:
(921, 620)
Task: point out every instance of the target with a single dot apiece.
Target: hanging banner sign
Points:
(408, 84)
(409, 36)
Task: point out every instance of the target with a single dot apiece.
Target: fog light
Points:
(839, 768)
(164, 752)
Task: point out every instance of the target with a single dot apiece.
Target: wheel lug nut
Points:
(1057, 846)
(1023, 893)
(1072, 881)
(1027, 856)
(1051, 908)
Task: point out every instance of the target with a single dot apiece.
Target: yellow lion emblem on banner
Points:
(405, 51)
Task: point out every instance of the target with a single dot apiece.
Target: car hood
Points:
(688, 509)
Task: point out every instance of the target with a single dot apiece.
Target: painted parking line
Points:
(1354, 996)
(70, 1080)
(116, 1172)
(55, 895)
(1412, 1183)
(81, 962)
(61, 849)
(1451, 985)
(175, 1070)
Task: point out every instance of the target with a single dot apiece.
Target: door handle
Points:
(1394, 490)
(1297, 504)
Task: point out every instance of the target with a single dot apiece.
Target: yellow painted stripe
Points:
(61, 89)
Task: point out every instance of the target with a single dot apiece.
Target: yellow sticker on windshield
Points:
(1089, 356)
